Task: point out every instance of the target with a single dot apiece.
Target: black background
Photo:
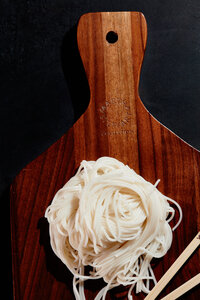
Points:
(43, 89)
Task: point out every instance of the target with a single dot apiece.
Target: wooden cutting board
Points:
(116, 124)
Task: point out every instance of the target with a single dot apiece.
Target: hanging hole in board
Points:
(112, 37)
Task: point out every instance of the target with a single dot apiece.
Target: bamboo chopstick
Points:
(188, 285)
(174, 268)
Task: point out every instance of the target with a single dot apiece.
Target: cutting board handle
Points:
(112, 45)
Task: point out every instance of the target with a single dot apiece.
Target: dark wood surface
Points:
(115, 124)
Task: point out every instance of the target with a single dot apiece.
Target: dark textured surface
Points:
(37, 97)
(41, 89)
(115, 124)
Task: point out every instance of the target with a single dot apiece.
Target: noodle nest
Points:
(113, 220)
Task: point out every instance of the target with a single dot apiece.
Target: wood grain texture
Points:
(115, 124)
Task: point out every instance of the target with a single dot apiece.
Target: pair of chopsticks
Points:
(173, 270)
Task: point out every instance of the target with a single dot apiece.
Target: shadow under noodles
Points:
(53, 264)
(60, 272)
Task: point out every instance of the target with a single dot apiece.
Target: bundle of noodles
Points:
(110, 218)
